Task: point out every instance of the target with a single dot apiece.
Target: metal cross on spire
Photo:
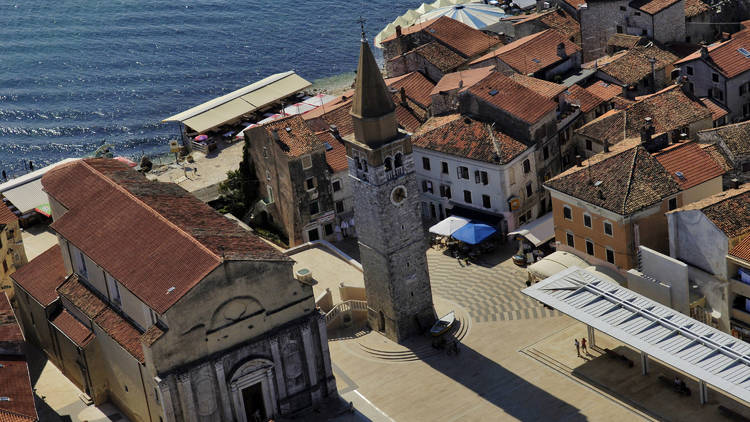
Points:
(362, 21)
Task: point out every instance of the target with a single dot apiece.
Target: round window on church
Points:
(398, 195)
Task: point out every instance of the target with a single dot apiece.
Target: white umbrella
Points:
(424, 8)
(448, 226)
(411, 16)
(442, 3)
(476, 15)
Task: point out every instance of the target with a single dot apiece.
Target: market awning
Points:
(240, 102)
(539, 231)
(473, 233)
(704, 352)
(472, 214)
(25, 192)
(449, 226)
(554, 263)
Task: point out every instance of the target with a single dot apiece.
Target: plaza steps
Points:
(418, 348)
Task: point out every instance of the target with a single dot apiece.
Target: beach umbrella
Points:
(475, 15)
(449, 226)
(411, 15)
(473, 233)
(127, 161)
(201, 137)
(442, 3)
(424, 8)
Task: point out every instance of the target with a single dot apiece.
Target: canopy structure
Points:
(25, 192)
(473, 233)
(449, 226)
(539, 231)
(412, 15)
(553, 264)
(703, 352)
(476, 15)
(243, 101)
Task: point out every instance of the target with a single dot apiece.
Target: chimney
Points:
(647, 131)
(704, 51)
(579, 161)
(735, 183)
(561, 50)
(606, 145)
(398, 31)
(403, 95)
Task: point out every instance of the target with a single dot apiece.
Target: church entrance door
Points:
(252, 397)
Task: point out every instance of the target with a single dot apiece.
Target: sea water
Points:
(75, 74)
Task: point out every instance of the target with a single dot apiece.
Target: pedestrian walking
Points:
(578, 348)
(351, 227)
(337, 232)
(583, 346)
(345, 228)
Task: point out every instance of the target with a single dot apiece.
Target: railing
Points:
(345, 307)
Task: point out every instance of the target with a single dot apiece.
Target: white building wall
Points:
(695, 240)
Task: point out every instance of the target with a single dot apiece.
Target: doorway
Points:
(252, 396)
(381, 322)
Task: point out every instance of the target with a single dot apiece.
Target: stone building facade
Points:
(12, 252)
(386, 203)
(174, 313)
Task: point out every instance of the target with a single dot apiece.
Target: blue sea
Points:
(75, 74)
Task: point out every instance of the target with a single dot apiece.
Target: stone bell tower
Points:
(386, 205)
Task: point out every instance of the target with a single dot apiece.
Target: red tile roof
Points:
(516, 99)
(463, 79)
(336, 156)
(584, 98)
(576, 3)
(531, 53)
(742, 250)
(439, 56)
(559, 20)
(725, 56)
(695, 8)
(42, 275)
(73, 329)
(717, 111)
(634, 65)
(604, 90)
(6, 215)
(416, 86)
(117, 327)
(693, 163)
(155, 238)
(460, 37)
(16, 385)
(728, 210)
(718, 155)
(467, 138)
(295, 137)
(548, 89)
(652, 7)
(735, 138)
(10, 331)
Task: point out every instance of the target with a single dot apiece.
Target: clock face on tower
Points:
(398, 195)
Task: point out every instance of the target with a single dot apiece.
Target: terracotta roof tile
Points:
(416, 86)
(717, 111)
(604, 90)
(336, 156)
(736, 137)
(440, 56)
(463, 79)
(295, 136)
(652, 7)
(117, 327)
(16, 384)
(10, 331)
(695, 8)
(6, 215)
(531, 53)
(460, 37)
(151, 335)
(506, 94)
(631, 181)
(576, 3)
(559, 20)
(693, 163)
(742, 250)
(584, 98)
(725, 56)
(634, 65)
(465, 137)
(625, 40)
(42, 275)
(548, 89)
(73, 329)
(718, 155)
(728, 210)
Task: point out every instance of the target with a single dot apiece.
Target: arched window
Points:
(387, 163)
(398, 161)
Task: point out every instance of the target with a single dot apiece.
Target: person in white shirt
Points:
(344, 228)
(337, 232)
(351, 227)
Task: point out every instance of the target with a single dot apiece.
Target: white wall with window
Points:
(446, 180)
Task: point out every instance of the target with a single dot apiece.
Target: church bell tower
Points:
(386, 205)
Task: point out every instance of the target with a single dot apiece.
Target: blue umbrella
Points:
(473, 233)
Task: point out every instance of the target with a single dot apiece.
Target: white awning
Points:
(675, 339)
(554, 263)
(240, 102)
(538, 231)
(25, 192)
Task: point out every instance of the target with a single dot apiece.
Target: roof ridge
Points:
(157, 214)
(630, 179)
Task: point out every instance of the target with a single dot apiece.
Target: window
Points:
(339, 206)
(463, 172)
(644, 32)
(608, 228)
(746, 109)
(743, 89)
(486, 201)
(587, 220)
(314, 208)
(310, 183)
(444, 167)
(306, 161)
(313, 235)
(689, 70)
(268, 175)
(512, 176)
(425, 163)
(589, 145)
(619, 29)
(589, 247)
(717, 93)
(569, 239)
(336, 185)
(745, 167)
(114, 290)
(610, 255)
(427, 186)
(623, 8)
(269, 199)
(545, 152)
(328, 229)
(445, 191)
(467, 197)
(567, 212)
(526, 166)
(529, 191)
(477, 177)
(485, 178)
(715, 77)
(398, 160)
(81, 264)
(387, 164)
(672, 204)
(265, 152)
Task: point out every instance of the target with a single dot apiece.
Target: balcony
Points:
(739, 287)
(566, 117)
